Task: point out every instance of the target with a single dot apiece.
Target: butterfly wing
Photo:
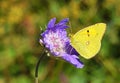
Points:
(87, 41)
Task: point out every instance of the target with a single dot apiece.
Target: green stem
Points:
(37, 66)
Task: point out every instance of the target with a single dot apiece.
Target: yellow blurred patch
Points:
(74, 5)
(15, 15)
(64, 12)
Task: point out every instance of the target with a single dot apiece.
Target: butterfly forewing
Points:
(87, 41)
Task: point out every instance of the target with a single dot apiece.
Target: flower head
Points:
(56, 41)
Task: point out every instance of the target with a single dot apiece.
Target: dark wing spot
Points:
(88, 33)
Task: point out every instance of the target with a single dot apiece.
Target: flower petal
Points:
(70, 50)
(73, 60)
(61, 26)
(63, 22)
(51, 23)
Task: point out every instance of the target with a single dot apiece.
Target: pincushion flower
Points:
(56, 41)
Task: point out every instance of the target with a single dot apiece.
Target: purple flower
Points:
(56, 41)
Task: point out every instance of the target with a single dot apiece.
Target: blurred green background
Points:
(20, 22)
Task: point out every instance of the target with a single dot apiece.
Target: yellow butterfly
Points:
(87, 42)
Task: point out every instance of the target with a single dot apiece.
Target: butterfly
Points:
(87, 42)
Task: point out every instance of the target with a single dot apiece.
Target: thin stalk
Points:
(37, 66)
